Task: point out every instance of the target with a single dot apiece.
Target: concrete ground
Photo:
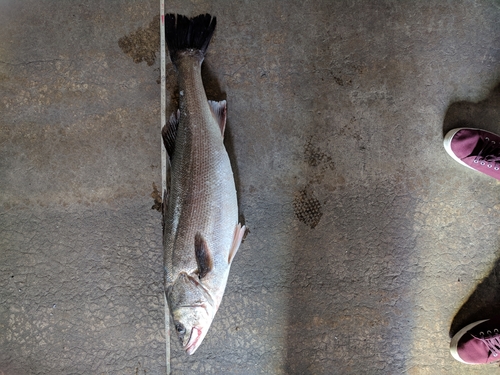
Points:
(368, 246)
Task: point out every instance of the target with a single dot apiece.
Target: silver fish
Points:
(201, 231)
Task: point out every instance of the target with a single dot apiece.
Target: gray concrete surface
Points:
(368, 244)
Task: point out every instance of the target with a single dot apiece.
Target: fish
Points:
(201, 230)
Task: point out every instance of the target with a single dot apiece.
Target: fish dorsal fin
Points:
(169, 133)
(239, 233)
(204, 257)
(164, 207)
(219, 112)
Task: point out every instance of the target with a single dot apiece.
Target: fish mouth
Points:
(193, 343)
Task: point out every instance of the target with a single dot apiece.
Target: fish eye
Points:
(180, 328)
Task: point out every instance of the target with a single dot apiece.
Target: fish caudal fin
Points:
(182, 33)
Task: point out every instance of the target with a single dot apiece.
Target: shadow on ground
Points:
(484, 114)
(483, 303)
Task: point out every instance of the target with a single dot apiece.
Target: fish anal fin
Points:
(219, 111)
(203, 255)
(239, 233)
(169, 133)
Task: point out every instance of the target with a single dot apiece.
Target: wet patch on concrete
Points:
(143, 44)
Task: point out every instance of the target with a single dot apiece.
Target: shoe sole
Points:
(456, 339)
(447, 145)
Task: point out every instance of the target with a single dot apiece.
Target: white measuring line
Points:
(163, 98)
(163, 119)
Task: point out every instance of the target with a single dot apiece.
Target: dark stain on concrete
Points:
(320, 161)
(307, 208)
(158, 201)
(315, 156)
(342, 82)
(144, 43)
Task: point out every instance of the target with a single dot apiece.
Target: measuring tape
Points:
(163, 98)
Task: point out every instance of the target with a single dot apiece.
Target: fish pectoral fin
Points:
(219, 112)
(169, 133)
(239, 233)
(203, 255)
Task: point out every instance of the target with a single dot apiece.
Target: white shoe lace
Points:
(491, 340)
(489, 154)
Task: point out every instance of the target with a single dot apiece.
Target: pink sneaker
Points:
(477, 343)
(475, 148)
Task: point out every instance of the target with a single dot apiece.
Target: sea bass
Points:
(201, 232)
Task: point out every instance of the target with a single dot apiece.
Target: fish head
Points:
(192, 309)
(191, 325)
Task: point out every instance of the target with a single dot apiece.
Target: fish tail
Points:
(183, 33)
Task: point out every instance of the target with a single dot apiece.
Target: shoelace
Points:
(491, 342)
(489, 154)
